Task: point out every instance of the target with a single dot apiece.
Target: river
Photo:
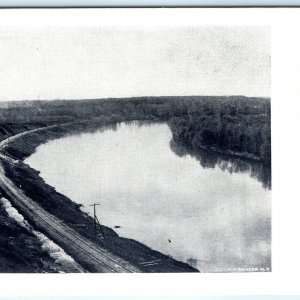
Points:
(210, 212)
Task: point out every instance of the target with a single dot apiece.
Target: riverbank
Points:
(144, 258)
(236, 126)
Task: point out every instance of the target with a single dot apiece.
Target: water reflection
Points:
(209, 159)
(196, 213)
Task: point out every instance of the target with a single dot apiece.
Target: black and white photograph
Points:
(135, 149)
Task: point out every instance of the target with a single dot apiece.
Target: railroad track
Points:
(14, 137)
(88, 254)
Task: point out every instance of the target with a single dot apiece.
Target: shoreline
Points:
(24, 144)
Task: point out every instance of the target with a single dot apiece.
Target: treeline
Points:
(237, 124)
(238, 128)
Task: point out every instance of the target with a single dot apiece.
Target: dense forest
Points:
(236, 125)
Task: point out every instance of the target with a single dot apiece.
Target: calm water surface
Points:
(214, 218)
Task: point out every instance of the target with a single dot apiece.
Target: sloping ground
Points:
(13, 239)
(91, 256)
(23, 249)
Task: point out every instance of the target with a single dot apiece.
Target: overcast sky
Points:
(95, 62)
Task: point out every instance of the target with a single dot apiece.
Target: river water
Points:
(212, 212)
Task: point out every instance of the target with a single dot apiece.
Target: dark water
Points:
(210, 211)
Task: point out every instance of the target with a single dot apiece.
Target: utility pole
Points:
(96, 221)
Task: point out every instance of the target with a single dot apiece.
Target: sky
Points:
(103, 62)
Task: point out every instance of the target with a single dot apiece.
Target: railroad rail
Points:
(88, 254)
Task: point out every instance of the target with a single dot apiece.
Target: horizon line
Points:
(131, 97)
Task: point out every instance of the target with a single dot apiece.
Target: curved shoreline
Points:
(22, 145)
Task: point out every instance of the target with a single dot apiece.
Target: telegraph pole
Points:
(95, 224)
(96, 221)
